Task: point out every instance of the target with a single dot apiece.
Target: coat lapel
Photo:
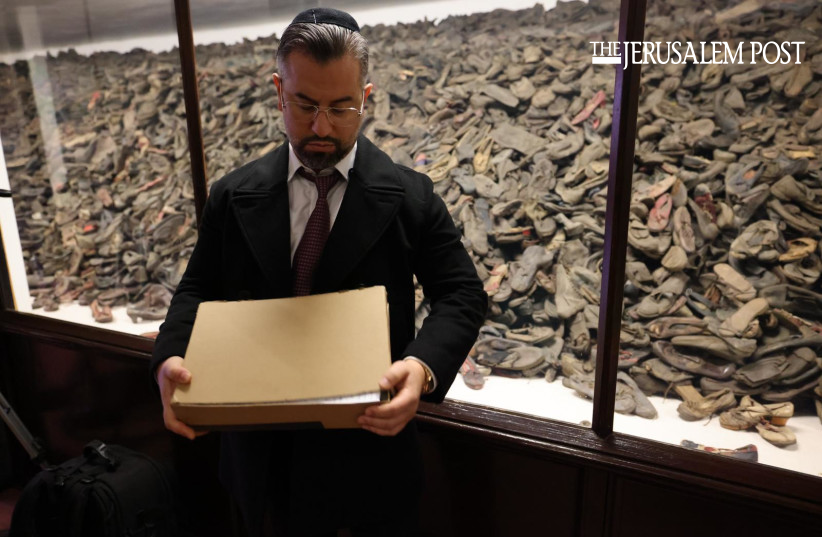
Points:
(260, 204)
(372, 198)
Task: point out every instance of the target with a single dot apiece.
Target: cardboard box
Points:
(312, 361)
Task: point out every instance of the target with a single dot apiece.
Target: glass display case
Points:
(522, 144)
(723, 297)
(96, 160)
(510, 116)
(505, 112)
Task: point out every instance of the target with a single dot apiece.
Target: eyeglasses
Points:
(307, 113)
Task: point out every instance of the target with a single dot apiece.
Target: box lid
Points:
(289, 349)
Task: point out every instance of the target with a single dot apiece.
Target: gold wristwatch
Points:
(428, 386)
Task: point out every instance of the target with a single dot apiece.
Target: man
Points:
(265, 234)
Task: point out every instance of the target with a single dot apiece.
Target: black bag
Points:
(110, 491)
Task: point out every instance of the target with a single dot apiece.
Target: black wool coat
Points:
(391, 227)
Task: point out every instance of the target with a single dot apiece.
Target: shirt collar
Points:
(343, 166)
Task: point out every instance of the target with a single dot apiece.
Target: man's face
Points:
(320, 144)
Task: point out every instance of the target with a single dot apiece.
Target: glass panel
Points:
(723, 292)
(522, 159)
(96, 158)
(514, 128)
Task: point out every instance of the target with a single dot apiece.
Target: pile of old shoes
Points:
(791, 368)
(101, 312)
(642, 405)
(629, 397)
(513, 357)
(769, 420)
(746, 453)
(663, 300)
(724, 262)
(152, 303)
(691, 363)
(471, 374)
(696, 407)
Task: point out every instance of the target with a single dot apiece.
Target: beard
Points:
(317, 160)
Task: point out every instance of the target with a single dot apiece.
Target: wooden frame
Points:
(620, 172)
(191, 93)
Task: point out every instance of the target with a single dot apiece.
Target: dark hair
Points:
(323, 43)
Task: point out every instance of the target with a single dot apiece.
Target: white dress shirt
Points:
(302, 194)
(302, 197)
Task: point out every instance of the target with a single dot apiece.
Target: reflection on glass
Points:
(722, 296)
(515, 136)
(96, 156)
(513, 127)
(522, 157)
(238, 103)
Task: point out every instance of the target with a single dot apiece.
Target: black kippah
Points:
(327, 15)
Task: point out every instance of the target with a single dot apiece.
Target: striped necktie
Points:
(316, 233)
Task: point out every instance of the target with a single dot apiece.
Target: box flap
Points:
(288, 349)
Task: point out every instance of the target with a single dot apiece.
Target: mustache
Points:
(306, 141)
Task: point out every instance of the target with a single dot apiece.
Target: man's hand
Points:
(407, 378)
(169, 375)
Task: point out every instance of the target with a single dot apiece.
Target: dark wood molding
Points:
(616, 455)
(6, 296)
(188, 65)
(565, 442)
(75, 334)
(627, 455)
(620, 172)
(595, 503)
